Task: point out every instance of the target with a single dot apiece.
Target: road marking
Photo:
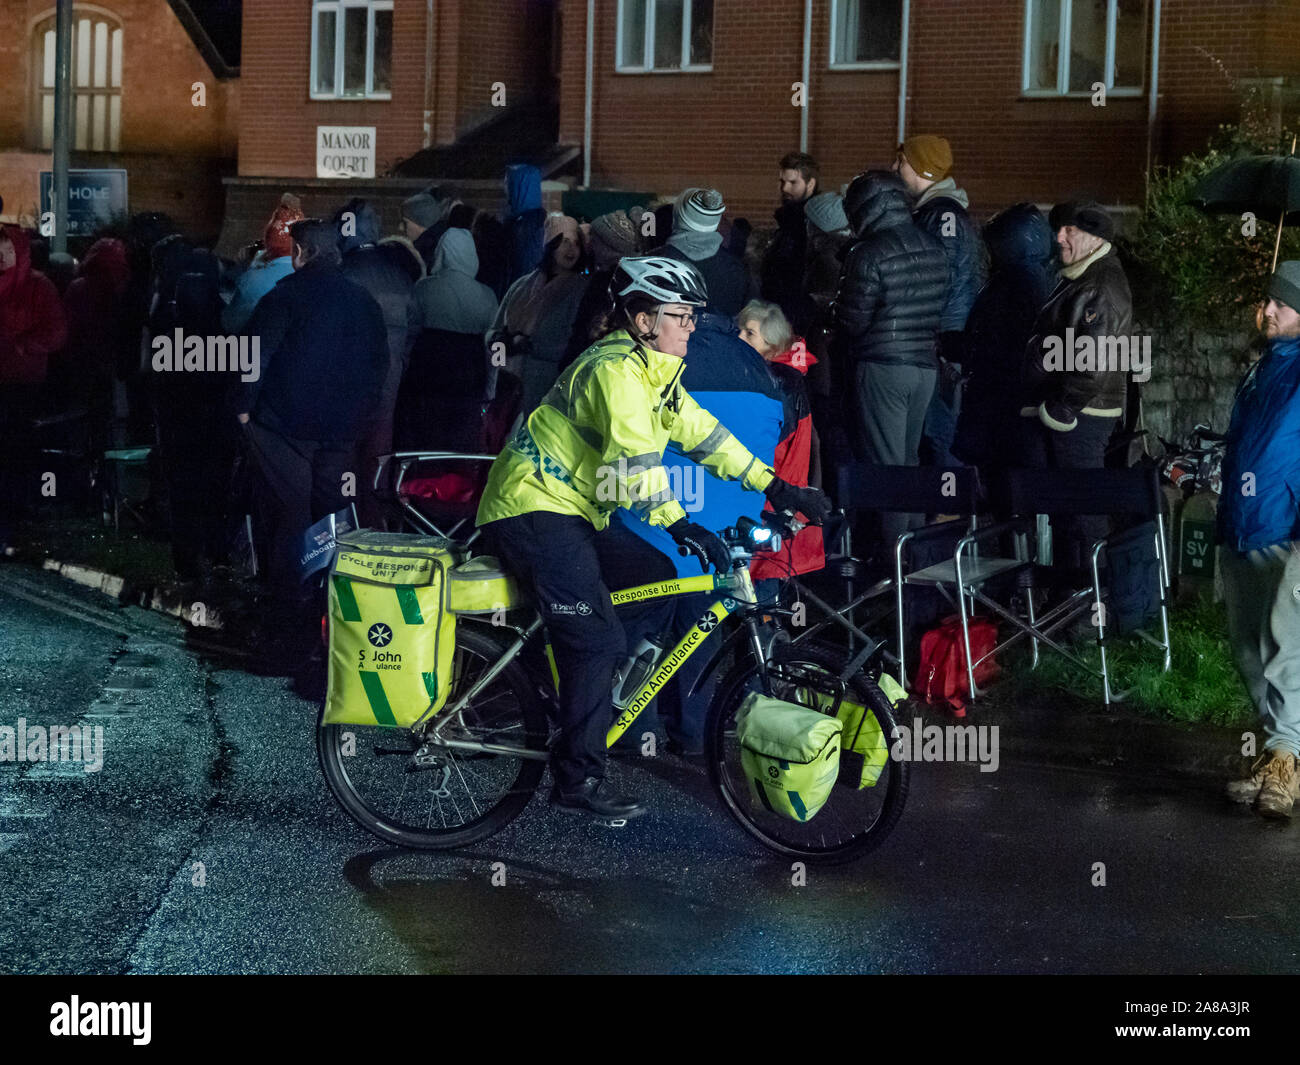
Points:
(16, 807)
(100, 708)
(56, 771)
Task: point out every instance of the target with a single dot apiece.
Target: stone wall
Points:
(1194, 376)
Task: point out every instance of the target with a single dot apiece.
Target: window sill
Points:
(883, 64)
(376, 98)
(673, 70)
(1111, 94)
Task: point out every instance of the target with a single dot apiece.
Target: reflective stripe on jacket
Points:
(597, 440)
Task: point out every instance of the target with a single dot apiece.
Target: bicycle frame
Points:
(741, 600)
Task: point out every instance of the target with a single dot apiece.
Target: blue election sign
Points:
(95, 198)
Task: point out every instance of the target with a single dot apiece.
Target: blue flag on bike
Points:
(316, 550)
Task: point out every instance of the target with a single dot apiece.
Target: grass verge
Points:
(1202, 684)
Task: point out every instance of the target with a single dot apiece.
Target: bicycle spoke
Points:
(378, 790)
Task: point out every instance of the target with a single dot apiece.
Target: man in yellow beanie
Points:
(924, 162)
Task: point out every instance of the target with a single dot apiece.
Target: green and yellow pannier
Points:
(790, 754)
(482, 586)
(392, 636)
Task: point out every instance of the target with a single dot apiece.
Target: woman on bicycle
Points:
(594, 444)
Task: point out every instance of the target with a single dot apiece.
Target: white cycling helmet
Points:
(659, 279)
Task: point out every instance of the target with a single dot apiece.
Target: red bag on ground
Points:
(941, 674)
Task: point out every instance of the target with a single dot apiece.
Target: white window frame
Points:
(871, 64)
(1063, 89)
(83, 128)
(647, 59)
(339, 7)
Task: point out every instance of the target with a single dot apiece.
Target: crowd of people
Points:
(871, 325)
(878, 324)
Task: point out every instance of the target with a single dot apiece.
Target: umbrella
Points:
(1266, 185)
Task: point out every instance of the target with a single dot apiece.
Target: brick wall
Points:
(160, 64)
(503, 41)
(476, 43)
(278, 120)
(729, 127)
(174, 153)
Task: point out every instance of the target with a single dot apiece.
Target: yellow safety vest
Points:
(596, 442)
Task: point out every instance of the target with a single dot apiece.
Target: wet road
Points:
(209, 844)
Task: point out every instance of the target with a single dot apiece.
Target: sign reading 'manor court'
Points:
(345, 151)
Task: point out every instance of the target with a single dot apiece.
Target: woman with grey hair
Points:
(765, 328)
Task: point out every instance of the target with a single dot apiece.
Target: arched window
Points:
(96, 81)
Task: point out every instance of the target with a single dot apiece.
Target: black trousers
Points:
(19, 474)
(571, 568)
(1082, 448)
(196, 447)
(298, 483)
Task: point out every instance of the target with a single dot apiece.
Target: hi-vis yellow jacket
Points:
(596, 442)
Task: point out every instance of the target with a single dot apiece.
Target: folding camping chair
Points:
(865, 489)
(127, 484)
(1133, 590)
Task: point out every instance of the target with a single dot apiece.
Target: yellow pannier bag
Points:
(790, 754)
(863, 735)
(392, 637)
(481, 586)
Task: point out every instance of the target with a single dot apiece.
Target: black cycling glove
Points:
(810, 502)
(703, 544)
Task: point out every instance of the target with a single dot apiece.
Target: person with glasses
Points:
(595, 444)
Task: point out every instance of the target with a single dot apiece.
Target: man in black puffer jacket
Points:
(889, 306)
(1069, 411)
(924, 162)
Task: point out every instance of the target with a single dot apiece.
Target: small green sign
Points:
(1198, 549)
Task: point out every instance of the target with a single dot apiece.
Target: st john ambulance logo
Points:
(380, 634)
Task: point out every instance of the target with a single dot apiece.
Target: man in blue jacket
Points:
(1259, 522)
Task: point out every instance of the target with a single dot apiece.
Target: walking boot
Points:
(1281, 785)
(595, 798)
(1246, 789)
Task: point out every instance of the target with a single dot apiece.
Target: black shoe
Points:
(688, 752)
(594, 797)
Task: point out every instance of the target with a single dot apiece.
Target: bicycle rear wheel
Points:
(439, 798)
(854, 821)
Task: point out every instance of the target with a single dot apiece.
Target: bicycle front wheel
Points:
(414, 794)
(855, 820)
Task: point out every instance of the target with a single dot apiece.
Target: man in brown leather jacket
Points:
(1081, 352)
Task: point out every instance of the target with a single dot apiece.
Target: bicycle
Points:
(481, 757)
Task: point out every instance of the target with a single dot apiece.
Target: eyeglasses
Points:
(684, 318)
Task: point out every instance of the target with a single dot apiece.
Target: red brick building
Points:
(136, 66)
(683, 92)
(1008, 82)
(707, 91)
(419, 92)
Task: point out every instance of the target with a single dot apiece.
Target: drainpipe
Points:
(807, 75)
(63, 132)
(430, 51)
(1153, 97)
(586, 107)
(902, 71)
